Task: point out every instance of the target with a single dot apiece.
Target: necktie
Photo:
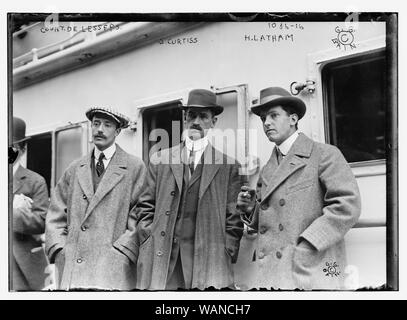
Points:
(191, 161)
(100, 167)
(279, 155)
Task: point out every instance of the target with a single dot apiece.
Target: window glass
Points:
(68, 146)
(162, 128)
(354, 92)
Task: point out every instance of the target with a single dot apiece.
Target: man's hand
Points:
(21, 201)
(246, 199)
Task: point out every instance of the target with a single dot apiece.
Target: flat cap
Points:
(120, 118)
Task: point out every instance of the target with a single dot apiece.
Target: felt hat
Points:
(276, 96)
(201, 98)
(19, 130)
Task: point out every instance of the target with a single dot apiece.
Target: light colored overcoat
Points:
(311, 195)
(218, 225)
(91, 227)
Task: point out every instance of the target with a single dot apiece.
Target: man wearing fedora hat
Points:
(307, 202)
(88, 221)
(30, 204)
(188, 228)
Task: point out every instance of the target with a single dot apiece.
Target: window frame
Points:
(329, 112)
(319, 114)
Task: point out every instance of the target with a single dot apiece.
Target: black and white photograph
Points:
(194, 152)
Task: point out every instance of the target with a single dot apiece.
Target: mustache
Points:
(100, 136)
(196, 127)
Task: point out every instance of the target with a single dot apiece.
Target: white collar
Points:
(287, 144)
(16, 165)
(196, 145)
(109, 152)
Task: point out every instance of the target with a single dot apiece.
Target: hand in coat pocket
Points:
(305, 266)
(123, 256)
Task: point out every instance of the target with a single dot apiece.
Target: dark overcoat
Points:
(85, 230)
(218, 225)
(29, 260)
(311, 195)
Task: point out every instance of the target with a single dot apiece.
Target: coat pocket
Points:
(143, 242)
(301, 185)
(305, 266)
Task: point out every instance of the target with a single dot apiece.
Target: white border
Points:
(207, 6)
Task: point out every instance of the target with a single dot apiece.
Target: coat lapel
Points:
(84, 175)
(177, 165)
(212, 160)
(197, 173)
(275, 175)
(17, 179)
(115, 172)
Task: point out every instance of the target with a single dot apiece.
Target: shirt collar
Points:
(287, 144)
(16, 165)
(109, 152)
(196, 145)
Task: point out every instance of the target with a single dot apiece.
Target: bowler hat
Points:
(19, 130)
(119, 118)
(276, 96)
(201, 98)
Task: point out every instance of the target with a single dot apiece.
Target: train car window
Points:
(39, 155)
(68, 147)
(162, 128)
(226, 127)
(355, 103)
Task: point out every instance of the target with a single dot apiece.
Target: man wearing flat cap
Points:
(30, 204)
(88, 221)
(308, 201)
(188, 228)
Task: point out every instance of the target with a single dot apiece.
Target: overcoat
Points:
(85, 230)
(218, 224)
(311, 195)
(29, 260)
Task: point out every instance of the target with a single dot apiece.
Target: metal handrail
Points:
(34, 54)
(370, 223)
(17, 33)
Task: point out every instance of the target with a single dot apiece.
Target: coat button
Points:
(280, 227)
(79, 260)
(159, 253)
(167, 213)
(163, 233)
(84, 228)
(278, 254)
(263, 229)
(282, 202)
(84, 196)
(173, 193)
(260, 255)
(175, 240)
(264, 206)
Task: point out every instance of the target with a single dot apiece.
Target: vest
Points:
(184, 231)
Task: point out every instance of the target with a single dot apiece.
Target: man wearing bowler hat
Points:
(308, 201)
(30, 204)
(88, 221)
(188, 228)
